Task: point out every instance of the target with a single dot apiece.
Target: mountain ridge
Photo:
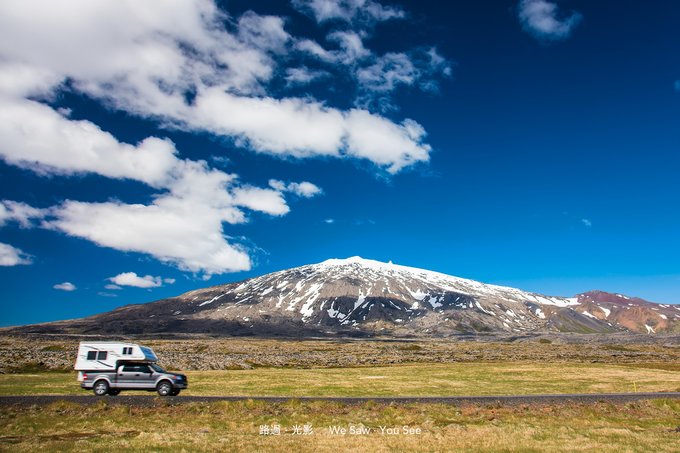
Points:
(361, 297)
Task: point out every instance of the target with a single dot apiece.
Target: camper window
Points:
(127, 351)
(91, 355)
(101, 355)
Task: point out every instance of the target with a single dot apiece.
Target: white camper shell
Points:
(104, 356)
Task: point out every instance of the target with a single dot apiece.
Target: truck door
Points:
(130, 376)
(146, 378)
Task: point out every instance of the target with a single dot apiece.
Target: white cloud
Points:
(37, 137)
(190, 66)
(303, 76)
(367, 11)
(182, 226)
(375, 138)
(173, 230)
(329, 221)
(351, 46)
(587, 222)
(132, 279)
(12, 256)
(156, 53)
(113, 287)
(263, 32)
(396, 68)
(543, 20)
(303, 189)
(268, 201)
(66, 286)
(18, 212)
(301, 128)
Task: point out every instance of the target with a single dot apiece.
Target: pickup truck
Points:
(134, 376)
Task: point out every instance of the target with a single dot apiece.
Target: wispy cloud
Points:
(544, 20)
(303, 189)
(587, 222)
(367, 12)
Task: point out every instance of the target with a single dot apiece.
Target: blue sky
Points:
(149, 150)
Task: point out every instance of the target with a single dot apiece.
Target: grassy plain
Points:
(449, 379)
(235, 426)
(253, 367)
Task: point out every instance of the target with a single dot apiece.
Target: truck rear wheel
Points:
(164, 388)
(100, 388)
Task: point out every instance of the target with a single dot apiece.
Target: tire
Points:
(100, 388)
(164, 388)
(175, 392)
(114, 392)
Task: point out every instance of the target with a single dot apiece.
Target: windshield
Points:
(156, 368)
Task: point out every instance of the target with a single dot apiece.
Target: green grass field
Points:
(400, 380)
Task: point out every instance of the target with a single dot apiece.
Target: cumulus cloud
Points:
(365, 11)
(183, 224)
(37, 137)
(66, 286)
(268, 201)
(132, 279)
(188, 65)
(543, 20)
(182, 63)
(12, 256)
(303, 128)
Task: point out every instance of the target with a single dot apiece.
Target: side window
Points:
(101, 355)
(91, 355)
(129, 368)
(144, 369)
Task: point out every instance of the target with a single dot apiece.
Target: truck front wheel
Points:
(164, 388)
(101, 388)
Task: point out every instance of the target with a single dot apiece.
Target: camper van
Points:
(107, 368)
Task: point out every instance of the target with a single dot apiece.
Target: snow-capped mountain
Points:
(366, 297)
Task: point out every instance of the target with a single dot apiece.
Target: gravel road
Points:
(146, 400)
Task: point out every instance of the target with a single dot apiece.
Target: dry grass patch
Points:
(234, 426)
(432, 379)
